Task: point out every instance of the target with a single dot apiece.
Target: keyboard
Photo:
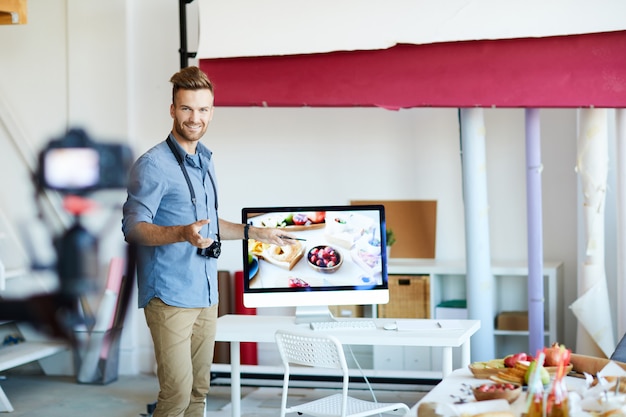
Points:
(343, 325)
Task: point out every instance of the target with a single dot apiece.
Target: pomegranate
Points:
(556, 353)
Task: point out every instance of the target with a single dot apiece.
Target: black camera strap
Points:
(181, 163)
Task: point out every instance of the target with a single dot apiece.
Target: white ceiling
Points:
(237, 28)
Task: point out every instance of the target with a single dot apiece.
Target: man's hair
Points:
(190, 78)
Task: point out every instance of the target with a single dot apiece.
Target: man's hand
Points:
(191, 233)
(273, 236)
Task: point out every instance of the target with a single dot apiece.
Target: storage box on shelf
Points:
(409, 297)
(347, 311)
(451, 309)
(512, 320)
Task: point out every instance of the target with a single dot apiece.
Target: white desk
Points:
(248, 328)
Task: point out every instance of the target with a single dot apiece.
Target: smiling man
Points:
(171, 215)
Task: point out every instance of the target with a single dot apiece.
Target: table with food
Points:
(552, 383)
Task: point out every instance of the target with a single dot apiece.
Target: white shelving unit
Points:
(447, 282)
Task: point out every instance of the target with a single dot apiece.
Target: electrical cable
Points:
(367, 382)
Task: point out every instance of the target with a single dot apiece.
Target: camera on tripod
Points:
(74, 164)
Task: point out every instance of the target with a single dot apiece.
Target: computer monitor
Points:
(340, 258)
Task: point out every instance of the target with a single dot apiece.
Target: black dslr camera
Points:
(213, 251)
(75, 164)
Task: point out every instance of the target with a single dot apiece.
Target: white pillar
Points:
(479, 279)
(595, 325)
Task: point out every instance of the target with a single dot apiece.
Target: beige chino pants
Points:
(184, 340)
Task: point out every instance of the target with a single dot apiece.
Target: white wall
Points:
(106, 65)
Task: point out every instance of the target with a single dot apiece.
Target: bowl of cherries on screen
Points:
(324, 258)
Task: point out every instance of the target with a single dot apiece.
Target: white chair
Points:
(323, 350)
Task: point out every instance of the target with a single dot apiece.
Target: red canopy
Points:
(563, 71)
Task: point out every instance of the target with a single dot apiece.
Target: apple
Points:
(300, 219)
(511, 360)
(317, 216)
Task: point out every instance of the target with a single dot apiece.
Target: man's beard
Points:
(191, 137)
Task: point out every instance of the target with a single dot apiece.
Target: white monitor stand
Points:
(308, 314)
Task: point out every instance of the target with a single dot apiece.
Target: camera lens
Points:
(213, 251)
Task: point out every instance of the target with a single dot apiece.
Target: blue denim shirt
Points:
(158, 193)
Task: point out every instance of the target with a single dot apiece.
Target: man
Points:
(171, 215)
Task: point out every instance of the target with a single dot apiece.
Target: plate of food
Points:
(285, 257)
(253, 262)
(486, 369)
(367, 260)
(294, 221)
(497, 391)
(256, 247)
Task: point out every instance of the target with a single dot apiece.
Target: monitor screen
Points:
(339, 258)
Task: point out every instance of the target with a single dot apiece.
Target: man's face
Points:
(192, 111)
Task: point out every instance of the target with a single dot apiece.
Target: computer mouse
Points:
(390, 326)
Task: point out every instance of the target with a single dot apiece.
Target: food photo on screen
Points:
(332, 249)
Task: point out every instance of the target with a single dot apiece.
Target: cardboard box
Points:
(512, 320)
(346, 311)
